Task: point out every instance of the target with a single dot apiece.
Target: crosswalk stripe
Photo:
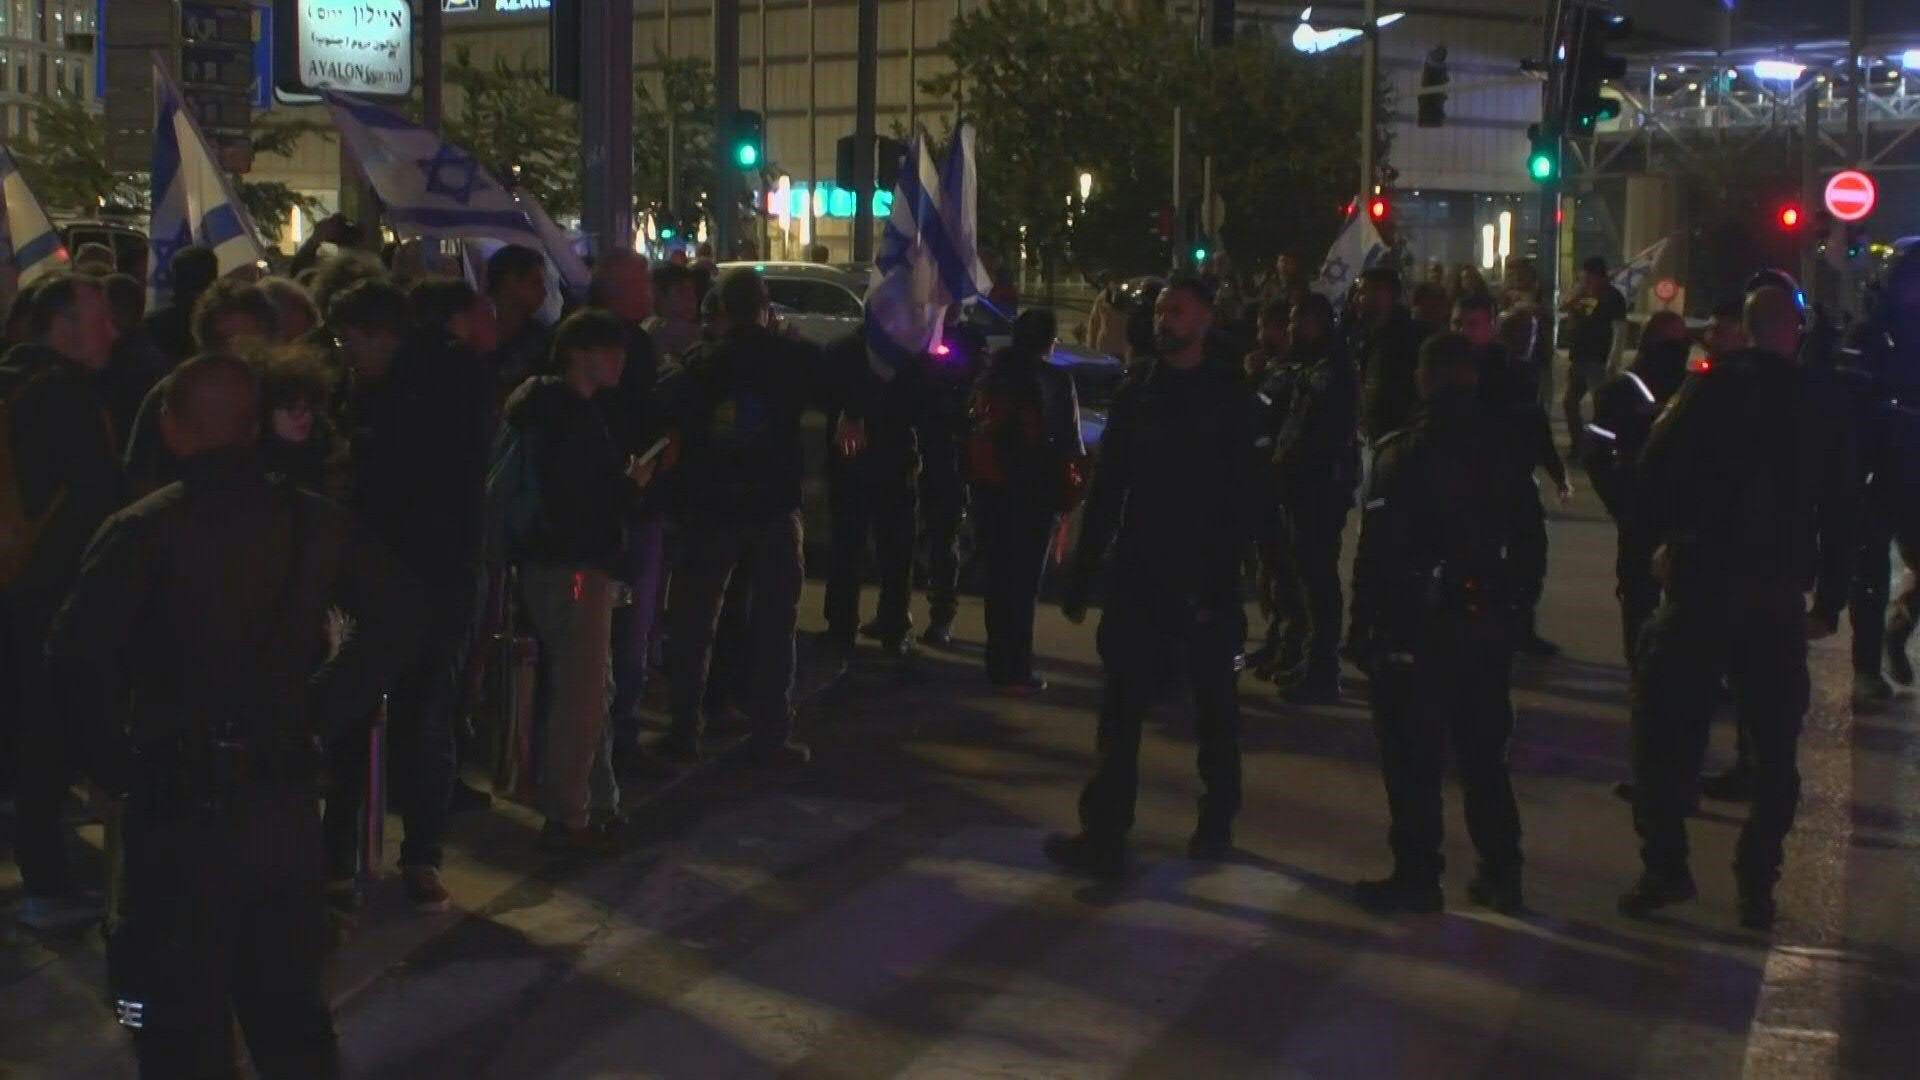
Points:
(588, 922)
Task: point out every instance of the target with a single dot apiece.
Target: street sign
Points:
(361, 48)
(1851, 195)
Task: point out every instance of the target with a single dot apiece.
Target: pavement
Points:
(887, 911)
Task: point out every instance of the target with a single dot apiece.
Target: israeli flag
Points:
(905, 301)
(1357, 248)
(430, 186)
(957, 250)
(28, 240)
(562, 259)
(193, 202)
(1632, 278)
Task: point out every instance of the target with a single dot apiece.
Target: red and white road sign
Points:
(1851, 195)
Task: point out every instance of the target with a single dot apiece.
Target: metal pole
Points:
(766, 147)
(726, 102)
(813, 133)
(1809, 278)
(866, 91)
(913, 65)
(1856, 41)
(606, 124)
(432, 67)
(673, 118)
(1176, 230)
(1369, 72)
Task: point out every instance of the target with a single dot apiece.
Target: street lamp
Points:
(1086, 186)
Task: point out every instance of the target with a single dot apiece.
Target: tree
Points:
(270, 203)
(515, 126)
(686, 94)
(65, 161)
(1075, 86)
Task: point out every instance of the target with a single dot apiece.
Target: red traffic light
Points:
(1789, 217)
(1377, 208)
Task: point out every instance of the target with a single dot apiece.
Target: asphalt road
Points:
(888, 911)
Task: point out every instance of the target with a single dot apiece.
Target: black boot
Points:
(1083, 854)
(1654, 891)
(1498, 889)
(1397, 895)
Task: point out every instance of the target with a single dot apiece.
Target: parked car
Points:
(826, 303)
(129, 243)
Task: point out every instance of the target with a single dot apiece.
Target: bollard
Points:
(373, 829)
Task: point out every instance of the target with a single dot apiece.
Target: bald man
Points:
(191, 658)
(1743, 498)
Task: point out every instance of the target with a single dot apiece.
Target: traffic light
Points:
(1543, 159)
(1856, 242)
(1220, 22)
(746, 140)
(1433, 75)
(1199, 255)
(1589, 65)
(1378, 208)
(1789, 218)
(666, 227)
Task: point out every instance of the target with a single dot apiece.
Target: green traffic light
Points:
(1540, 166)
(667, 233)
(1199, 255)
(746, 155)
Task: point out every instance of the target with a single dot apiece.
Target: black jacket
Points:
(518, 359)
(1176, 487)
(1389, 357)
(170, 328)
(1624, 408)
(586, 499)
(63, 448)
(1441, 515)
(1512, 398)
(1314, 397)
(1027, 413)
(418, 442)
(632, 409)
(1747, 480)
(201, 611)
(737, 404)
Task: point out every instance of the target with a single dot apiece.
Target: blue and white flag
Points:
(562, 258)
(1357, 248)
(28, 240)
(905, 301)
(1632, 278)
(430, 186)
(962, 275)
(193, 201)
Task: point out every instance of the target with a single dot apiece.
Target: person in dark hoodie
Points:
(1435, 581)
(589, 489)
(1315, 467)
(419, 440)
(1026, 464)
(69, 477)
(1512, 400)
(738, 408)
(191, 272)
(1624, 410)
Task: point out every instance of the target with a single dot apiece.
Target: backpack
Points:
(19, 531)
(513, 504)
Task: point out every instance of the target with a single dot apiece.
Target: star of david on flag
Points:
(193, 200)
(430, 186)
(1632, 278)
(1356, 249)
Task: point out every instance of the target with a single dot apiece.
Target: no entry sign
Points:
(1851, 195)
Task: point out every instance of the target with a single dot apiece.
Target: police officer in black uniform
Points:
(1624, 409)
(1882, 366)
(1512, 400)
(1315, 464)
(1745, 489)
(1177, 489)
(192, 655)
(1436, 584)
